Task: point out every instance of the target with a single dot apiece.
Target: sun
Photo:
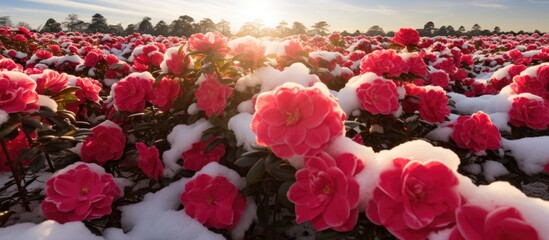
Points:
(264, 10)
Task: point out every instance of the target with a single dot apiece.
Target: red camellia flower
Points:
(92, 58)
(531, 112)
(384, 62)
(14, 147)
(294, 120)
(407, 37)
(213, 201)
(165, 93)
(197, 157)
(325, 192)
(416, 65)
(51, 82)
(413, 199)
(474, 222)
(439, 78)
(212, 96)
(17, 93)
(528, 84)
(476, 132)
(433, 104)
(131, 93)
(148, 160)
(378, 97)
(79, 192)
(106, 143)
(211, 41)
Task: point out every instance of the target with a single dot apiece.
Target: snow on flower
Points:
(213, 201)
(165, 93)
(529, 110)
(211, 41)
(296, 121)
(17, 93)
(131, 93)
(79, 192)
(474, 222)
(378, 97)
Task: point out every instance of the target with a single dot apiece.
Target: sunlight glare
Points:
(264, 10)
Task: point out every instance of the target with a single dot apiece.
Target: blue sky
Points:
(341, 15)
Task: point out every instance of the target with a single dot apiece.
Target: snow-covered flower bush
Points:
(243, 138)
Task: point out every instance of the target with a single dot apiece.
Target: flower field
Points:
(337, 137)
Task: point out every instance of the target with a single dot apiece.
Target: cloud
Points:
(85, 6)
(539, 1)
(489, 4)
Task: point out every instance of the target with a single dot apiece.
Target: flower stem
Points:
(20, 189)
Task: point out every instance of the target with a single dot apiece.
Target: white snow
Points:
(47, 230)
(270, 78)
(181, 139)
(156, 217)
(531, 153)
(493, 169)
(240, 124)
(4, 117)
(46, 101)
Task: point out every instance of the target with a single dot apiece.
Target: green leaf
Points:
(33, 123)
(213, 144)
(7, 128)
(38, 163)
(68, 90)
(255, 174)
(283, 194)
(246, 162)
(278, 169)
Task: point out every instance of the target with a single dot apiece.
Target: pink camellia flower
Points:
(165, 93)
(92, 58)
(294, 120)
(213, 201)
(249, 48)
(212, 96)
(51, 82)
(474, 222)
(476, 132)
(89, 89)
(325, 192)
(383, 62)
(79, 192)
(530, 111)
(7, 64)
(131, 93)
(433, 104)
(106, 143)
(378, 97)
(211, 41)
(17, 93)
(439, 78)
(413, 199)
(148, 160)
(197, 157)
(407, 37)
(175, 61)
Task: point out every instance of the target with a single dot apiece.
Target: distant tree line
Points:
(186, 26)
